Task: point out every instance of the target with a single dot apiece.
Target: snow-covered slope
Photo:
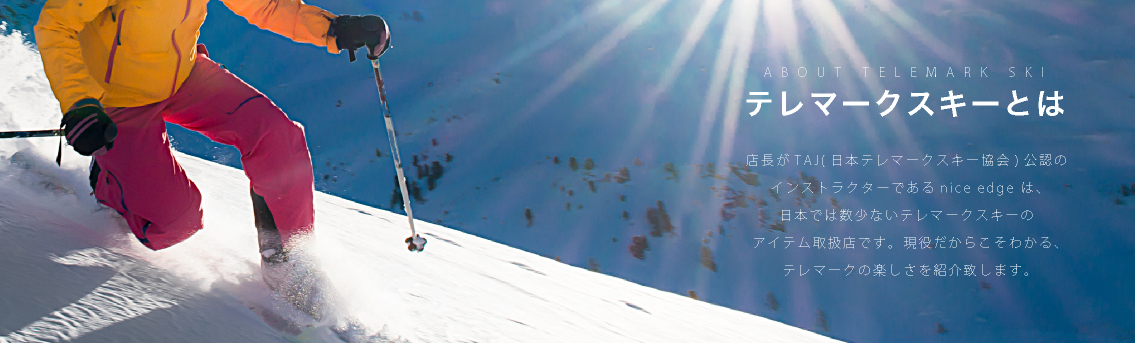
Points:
(71, 272)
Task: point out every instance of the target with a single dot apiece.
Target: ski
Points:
(296, 326)
(39, 173)
(292, 324)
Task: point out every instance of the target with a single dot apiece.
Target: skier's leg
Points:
(273, 149)
(140, 179)
(274, 155)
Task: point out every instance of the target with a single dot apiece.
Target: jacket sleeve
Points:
(290, 18)
(57, 35)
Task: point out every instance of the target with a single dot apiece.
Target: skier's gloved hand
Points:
(352, 32)
(88, 129)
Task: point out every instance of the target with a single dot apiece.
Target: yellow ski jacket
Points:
(128, 53)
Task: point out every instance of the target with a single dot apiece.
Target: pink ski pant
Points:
(141, 179)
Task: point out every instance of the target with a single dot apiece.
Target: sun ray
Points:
(823, 14)
(834, 31)
(739, 28)
(593, 55)
(747, 30)
(602, 47)
(559, 32)
(911, 26)
(717, 83)
(780, 20)
(743, 27)
(833, 22)
(783, 31)
(693, 36)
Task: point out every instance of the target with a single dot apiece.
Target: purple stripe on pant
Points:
(142, 180)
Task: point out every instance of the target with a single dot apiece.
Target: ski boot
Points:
(290, 274)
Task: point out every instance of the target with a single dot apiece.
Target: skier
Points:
(121, 69)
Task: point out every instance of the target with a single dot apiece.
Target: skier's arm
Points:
(57, 35)
(290, 18)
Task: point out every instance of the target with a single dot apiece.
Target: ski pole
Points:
(414, 242)
(38, 133)
(31, 134)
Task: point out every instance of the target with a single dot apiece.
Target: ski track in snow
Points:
(73, 272)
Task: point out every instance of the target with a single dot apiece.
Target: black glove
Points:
(88, 129)
(352, 32)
